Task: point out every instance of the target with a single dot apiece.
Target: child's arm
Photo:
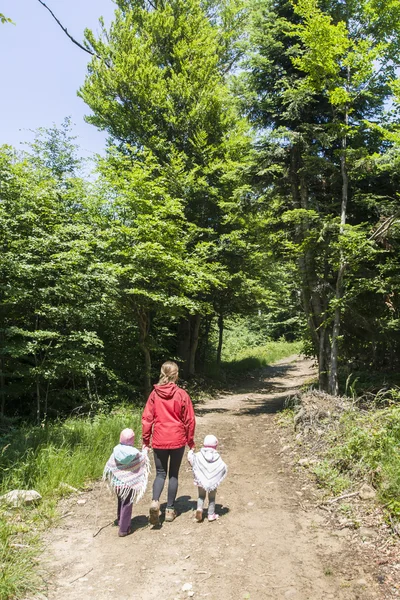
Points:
(190, 456)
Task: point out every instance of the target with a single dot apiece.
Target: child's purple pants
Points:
(124, 514)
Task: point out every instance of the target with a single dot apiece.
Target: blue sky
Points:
(41, 69)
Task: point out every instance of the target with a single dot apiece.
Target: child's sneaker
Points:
(199, 515)
(154, 513)
(213, 517)
(170, 514)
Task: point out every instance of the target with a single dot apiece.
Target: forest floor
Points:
(272, 541)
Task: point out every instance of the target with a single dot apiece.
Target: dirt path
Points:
(264, 546)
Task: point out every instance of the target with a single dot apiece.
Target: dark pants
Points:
(161, 459)
(124, 513)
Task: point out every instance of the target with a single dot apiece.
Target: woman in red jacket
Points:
(168, 419)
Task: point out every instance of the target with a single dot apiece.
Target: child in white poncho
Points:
(209, 470)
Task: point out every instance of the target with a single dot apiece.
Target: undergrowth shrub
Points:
(366, 447)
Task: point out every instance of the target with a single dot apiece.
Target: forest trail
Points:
(266, 544)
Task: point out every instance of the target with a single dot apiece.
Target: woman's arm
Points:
(189, 420)
(148, 420)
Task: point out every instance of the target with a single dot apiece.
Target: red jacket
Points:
(168, 418)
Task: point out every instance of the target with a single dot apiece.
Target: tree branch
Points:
(65, 30)
(383, 229)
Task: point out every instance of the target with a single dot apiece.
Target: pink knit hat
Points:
(127, 437)
(210, 441)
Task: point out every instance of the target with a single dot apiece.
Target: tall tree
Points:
(160, 86)
(318, 76)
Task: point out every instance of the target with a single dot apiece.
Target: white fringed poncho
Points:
(127, 470)
(208, 468)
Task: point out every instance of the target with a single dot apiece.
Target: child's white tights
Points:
(211, 500)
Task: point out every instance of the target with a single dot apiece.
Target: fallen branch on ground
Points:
(101, 528)
(80, 577)
(343, 497)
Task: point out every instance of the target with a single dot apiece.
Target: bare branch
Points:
(383, 229)
(65, 30)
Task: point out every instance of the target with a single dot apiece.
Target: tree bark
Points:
(46, 402)
(204, 342)
(323, 359)
(89, 391)
(333, 375)
(194, 342)
(2, 375)
(220, 339)
(2, 388)
(144, 327)
(188, 341)
(183, 345)
(37, 399)
(313, 294)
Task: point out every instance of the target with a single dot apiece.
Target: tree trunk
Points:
(204, 342)
(183, 345)
(37, 400)
(2, 375)
(188, 340)
(2, 388)
(313, 294)
(333, 376)
(89, 391)
(46, 401)
(144, 327)
(37, 378)
(314, 289)
(323, 359)
(220, 339)
(194, 342)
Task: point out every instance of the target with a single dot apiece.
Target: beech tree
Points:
(158, 85)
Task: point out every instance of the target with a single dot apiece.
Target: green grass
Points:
(41, 458)
(249, 359)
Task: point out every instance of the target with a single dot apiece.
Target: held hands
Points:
(190, 455)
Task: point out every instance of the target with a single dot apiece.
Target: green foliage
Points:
(4, 19)
(319, 77)
(54, 289)
(161, 91)
(365, 447)
(331, 477)
(54, 149)
(36, 457)
(18, 577)
(242, 333)
(249, 359)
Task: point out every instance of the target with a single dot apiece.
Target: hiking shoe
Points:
(170, 514)
(199, 515)
(154, 513)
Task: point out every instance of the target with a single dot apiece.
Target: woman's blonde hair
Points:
(169, 372)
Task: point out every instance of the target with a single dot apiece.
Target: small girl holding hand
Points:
(127, 473)
(209, 470)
